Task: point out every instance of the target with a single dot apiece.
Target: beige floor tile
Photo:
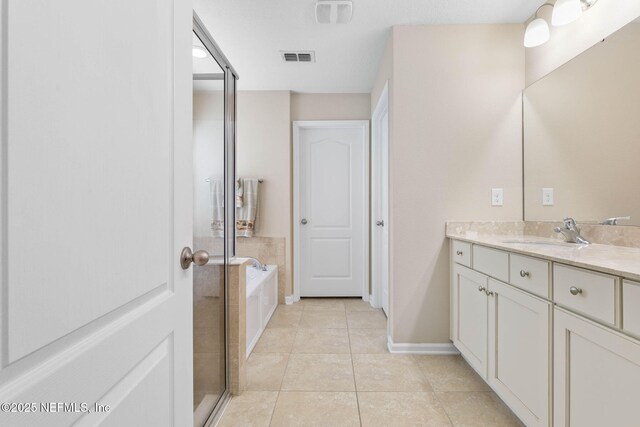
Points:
(266, 370)
(323, 304)
(368, 341)
(296, 306)
(397, 409)
(334, 341)
(357, 304)
(285, 319)
(323, 320)
(317, 409)
(388, 372)
(276, 340)
(470, 409)
(319, 372)
(366, 319)
(251, 409)
(450, 373)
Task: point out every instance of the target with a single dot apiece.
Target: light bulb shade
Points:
(565, 12)
(199, 52)
(537, 33)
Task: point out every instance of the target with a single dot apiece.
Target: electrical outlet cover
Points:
(497, 197)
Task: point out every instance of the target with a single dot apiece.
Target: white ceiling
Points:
(252, 33)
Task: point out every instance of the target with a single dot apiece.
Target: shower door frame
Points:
(229, 76)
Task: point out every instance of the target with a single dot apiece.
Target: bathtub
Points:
(262, 300)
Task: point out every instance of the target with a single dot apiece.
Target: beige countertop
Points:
(616, 260)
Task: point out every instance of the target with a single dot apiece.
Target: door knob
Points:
(380, 223)
(303, 221)
(187, 257)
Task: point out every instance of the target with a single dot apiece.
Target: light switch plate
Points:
(547, 197)
(497, 197)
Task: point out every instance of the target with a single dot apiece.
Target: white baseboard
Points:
(288, 299)
(365, 298)
(421, 348)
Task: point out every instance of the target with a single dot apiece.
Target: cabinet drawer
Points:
(631, 307)
(462, 252)
(492, 262)
(593, 294)
(530, 274)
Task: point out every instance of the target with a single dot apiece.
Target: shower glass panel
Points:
(213, 221)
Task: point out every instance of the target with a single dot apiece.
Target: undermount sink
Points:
(543, 242)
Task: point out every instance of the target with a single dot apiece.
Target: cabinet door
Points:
(596, 374)
(469, 305)
(519, 352)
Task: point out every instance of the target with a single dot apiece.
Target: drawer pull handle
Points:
(489, 293)
(524, 273)
(575, 291)
(459, 253)
(481, 289)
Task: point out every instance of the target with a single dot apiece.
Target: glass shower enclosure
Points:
(214, 115)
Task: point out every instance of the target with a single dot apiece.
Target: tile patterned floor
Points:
(324, 362)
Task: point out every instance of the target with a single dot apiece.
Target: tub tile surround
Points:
(340, 373)
(268, 250)
(237, 325)
(619, 260)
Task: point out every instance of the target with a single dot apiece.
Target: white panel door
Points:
(332, 208)
(96, 205)
(380, 204)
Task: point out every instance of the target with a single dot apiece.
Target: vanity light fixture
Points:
(564, 12)
(537, 32)
(199, 52)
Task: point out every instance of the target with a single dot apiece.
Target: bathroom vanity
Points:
(552, 327)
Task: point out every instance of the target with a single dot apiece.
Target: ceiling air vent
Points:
(306, 56)
(333, 11)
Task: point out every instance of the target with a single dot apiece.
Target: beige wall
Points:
(603, 19)
(263, 151)
(456, 133)
(330, 106)
(582, 132)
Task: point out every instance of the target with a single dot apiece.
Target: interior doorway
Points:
(380, 203)
(331, 205)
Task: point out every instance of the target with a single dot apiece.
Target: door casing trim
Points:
(330, 124)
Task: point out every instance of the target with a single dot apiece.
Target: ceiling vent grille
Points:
(306, 56)
(333, 11)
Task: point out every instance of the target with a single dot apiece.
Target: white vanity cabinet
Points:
(596, 374)
(503, 333)
(519, 351)
(470, 319)
(559, 344)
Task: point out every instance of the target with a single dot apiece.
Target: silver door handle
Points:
(303, 221)
(187, 257)
(380, 223)
(575, 291)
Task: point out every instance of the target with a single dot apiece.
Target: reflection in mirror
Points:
(582, 135)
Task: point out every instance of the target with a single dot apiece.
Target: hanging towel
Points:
(246, 214)
(216, 187)
(239, 193)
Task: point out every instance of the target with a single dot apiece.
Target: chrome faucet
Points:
(571, 232)
(257, 264)
(614, 220)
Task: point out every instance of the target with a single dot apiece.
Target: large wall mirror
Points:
(582, 135)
